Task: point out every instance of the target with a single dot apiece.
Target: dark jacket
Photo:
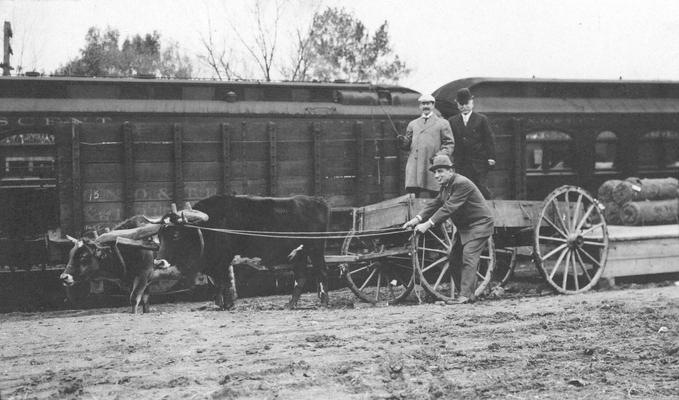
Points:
(474, 143)
(462, 202)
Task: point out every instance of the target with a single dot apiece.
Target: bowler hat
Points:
(426, 98)
(463, 96)
(440, 161)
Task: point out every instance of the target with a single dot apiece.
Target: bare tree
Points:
(265, 38)
(218, 59)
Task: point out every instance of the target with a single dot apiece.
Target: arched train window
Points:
(549, 151)
(659, 150)
(605, 150)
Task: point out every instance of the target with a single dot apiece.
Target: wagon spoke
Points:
(553, 238)
(359, 269)
(557, 264)
(600, 244)
(584, 218)
(590, 257)
(559, 216)
(575, 272)
(577, 210)
(439, 251)
(582, 265)
(568, 212)
(443, 272)
(591, 228)
(379, 281)
(435, 263)
(443, 243)
(556, 250)
(564, 281)
(368, 279)
(549, 221)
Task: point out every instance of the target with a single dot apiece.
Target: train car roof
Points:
(525, 96)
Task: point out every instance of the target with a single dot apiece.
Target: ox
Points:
(118, 256)
(192, 249)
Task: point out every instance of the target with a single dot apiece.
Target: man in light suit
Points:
(475, 142)
(461, 201)
(425, 137)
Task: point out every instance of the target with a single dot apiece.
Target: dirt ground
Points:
(613, 344)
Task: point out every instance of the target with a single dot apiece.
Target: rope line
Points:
(303, 235)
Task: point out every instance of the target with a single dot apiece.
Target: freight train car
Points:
(86, 153)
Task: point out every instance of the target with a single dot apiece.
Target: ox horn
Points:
(72, 239)
(194, 216)
(138, 233)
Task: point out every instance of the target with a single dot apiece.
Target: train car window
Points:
(605, 149)
(549, 151)
(29, 167)
(92, 92)
(659, 150)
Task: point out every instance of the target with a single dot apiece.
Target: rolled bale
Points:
(645, 189)
(655, 212)
(612, 213)
(605, 192)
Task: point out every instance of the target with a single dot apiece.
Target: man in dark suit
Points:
(462, 202)
(474, 142)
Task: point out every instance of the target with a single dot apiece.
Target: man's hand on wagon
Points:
(423, 227)
(412, 223)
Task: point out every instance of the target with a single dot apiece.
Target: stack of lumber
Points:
(635, 201)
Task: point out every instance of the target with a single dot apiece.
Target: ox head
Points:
(181, 246)
(84, 261)
(88, 255)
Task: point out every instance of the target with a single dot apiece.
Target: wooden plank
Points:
(273, 160)
(99, 133)
(515, 213)
(386, 214)
(642, 257)
(178, 161)
(226, 158)
(624, 233)
(317, 154)
(63, 140)
(104, 172)
(128, 167)
(243, 135)
(361, 172)
(76, 179)
(101, 153)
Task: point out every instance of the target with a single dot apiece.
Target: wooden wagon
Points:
(567, 232)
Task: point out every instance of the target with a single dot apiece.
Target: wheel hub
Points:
(575, 240)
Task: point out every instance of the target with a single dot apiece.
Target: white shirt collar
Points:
(465, 117)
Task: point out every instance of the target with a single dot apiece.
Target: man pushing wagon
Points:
(462, 202)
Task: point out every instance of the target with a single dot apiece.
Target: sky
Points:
(439, 40)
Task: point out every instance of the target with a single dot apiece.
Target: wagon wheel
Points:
(505, 264)
(571, 240)
(377, 279)
(430, 258)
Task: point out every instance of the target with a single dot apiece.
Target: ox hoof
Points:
(291, 305)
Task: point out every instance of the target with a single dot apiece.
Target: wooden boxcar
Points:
(555, 132)
(86, 153)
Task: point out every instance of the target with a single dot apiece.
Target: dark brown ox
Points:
(122, 256)
(192, 249)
